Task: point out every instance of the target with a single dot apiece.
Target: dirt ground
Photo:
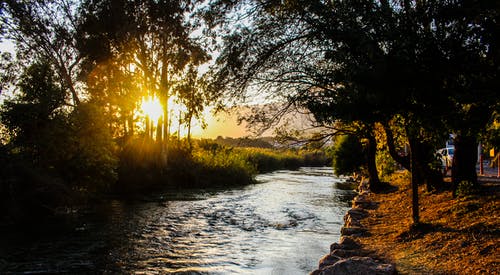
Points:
(457, 235)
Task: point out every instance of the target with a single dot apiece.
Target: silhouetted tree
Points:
(348, 155)
(31, 115)
(151, 36)
(46, 30)
(368, 61)
(192, 95)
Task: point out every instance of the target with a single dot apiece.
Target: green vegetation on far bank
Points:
(138, 166)
(207, 164)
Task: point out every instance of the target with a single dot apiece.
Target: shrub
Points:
(385, 163)
(348, 155)
(466, 188)
(223, 166)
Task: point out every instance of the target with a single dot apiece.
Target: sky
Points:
(5, 46)
(224, 124)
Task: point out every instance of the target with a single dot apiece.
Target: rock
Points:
(358, 265)
(363, 203)
(334, 246)
(356, 213)
(364, 193)
(351, 222)
(364, 185)
(346, 242)
(347, 253)
(354, 231)
(327, 260)
(349, 243)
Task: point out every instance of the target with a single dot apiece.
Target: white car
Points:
(445, 155)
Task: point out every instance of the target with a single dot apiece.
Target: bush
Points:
(348, 156)
(224, 166)
(92, 161)
(466, 188)
(385, 163)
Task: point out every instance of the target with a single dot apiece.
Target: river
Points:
(282, 225)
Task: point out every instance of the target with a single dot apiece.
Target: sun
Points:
(152, 108)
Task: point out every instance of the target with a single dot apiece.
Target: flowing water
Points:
(283, 225)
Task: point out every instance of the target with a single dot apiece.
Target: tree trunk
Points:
(166, 133)
(375, 184)
(464, 161)
(147, 127)
(424, 155)
(402, 160)
(159, 132)
(131, 125)
(415, 175)
(179, 127)
(189, 132)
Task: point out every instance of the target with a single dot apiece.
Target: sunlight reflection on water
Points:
(282, 225)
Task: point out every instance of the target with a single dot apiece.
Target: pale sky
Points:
(224, 125)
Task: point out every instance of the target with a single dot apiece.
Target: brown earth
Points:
(456, 235)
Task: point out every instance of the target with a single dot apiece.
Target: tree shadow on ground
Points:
(384, 188)
(417, 231)
(420, 230)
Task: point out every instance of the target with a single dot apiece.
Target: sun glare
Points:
(152, 108)
(221, 125)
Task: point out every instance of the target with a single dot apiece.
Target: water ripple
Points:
(250, 230)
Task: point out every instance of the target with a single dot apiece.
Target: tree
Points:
(46, 30)
(90, 161)
(191, 95)
(365, 61)
(348, 155)
(76, 145)
(473, 77)
(151, 36)
(31, 115)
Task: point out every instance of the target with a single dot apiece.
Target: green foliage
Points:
(37, 105)
(348, 155)
(91, 156)
(267, 160)
(385, 164)
(464, 207)
(466, 188)
(206, 164)
(54, 156)
(225, 166)
(140, 165)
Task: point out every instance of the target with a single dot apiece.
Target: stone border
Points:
(348, 256)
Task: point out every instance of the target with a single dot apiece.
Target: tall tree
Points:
(368, 61)
(192, 95)
(473, 30)
(151, 36)
(46, 30)
(30, 117)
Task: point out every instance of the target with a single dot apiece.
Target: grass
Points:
(206, 164)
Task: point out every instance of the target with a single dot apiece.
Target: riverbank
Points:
(348, 256)
(457, 235)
